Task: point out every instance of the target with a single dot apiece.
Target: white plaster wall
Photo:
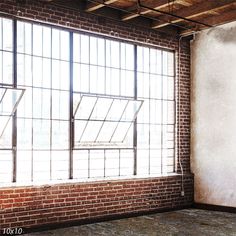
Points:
(213, 140)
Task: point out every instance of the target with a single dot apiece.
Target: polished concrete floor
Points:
(189, 222)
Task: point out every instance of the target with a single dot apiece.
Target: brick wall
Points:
(35, 206)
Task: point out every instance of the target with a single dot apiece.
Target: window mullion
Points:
(14, 118)
(135, 121)
(71, 133)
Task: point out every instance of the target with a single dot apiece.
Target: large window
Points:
(82, 106)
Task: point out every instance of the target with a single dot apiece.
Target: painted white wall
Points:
(213, 140)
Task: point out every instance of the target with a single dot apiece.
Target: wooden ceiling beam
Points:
(192, 11)
(223, 18)
(135, 12)
(93, 6)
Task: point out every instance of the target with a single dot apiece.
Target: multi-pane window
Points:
(86, 106)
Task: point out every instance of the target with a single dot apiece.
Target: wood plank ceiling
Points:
(182, 17)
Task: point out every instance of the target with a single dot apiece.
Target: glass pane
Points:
(143, 115)
(146, 60)
(79, 129)
(143, 85)
(41, 165)
(113, 81)
(129, 56)
(127, 83)
(20, 37)
(80, 164)
(26, 105)
(101, 52)
(155, 136)
(41, 134)
(1, 33)
(91, 131)
(37, 40)
(60, 165)
(84, 49)
(60, 105)
(126, 162)
(170, 59)
(96, 164)
(120, 132)
(112, 162)
(24, 134)
(76, 47)
(6, 166)
(37, 72)
(85, 107)
(106, 131)
(28, 38)
(9, 99)
(47, 42)
(142, 161)
(93, 51)
(143, 136)
(24, 162)
(55, 44)
(5, 132)
(115, 54)
(93, 79)
(101, 108)
(117, 109)
(7, 33)
(131, 110)
(41, 103)
(155, 111)
(7, 66)
(64, 45)
(60, 135)
(156, 86)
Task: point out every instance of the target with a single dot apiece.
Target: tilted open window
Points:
(104, 121)
(9, 101)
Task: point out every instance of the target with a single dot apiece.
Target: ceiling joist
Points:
(226, 17)
(137, 11)
(93, 6)
(191, 12)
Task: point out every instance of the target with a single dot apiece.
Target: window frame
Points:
(71, 61)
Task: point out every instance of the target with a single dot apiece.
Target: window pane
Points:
(60, 165)
(47, 42)
(60, 135)
(7, 34)
(41, 165)
(112, 162)
(5, 166)
(80, 164)
(41, 134)
(96, 164)
(37, 40)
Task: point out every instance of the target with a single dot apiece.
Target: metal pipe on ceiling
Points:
(171, 14)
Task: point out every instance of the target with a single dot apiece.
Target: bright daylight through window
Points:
(77, 106)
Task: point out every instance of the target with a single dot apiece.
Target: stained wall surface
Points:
(213, 139)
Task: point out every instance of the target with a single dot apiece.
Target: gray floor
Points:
(191, 222)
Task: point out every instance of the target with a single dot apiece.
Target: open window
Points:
(103, 121)
(9, 101)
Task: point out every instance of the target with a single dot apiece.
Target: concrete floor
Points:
(190, 222)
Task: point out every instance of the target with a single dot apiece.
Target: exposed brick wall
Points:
(34, 206)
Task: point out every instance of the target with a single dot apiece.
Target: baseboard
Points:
(99, 219)
(214, 207)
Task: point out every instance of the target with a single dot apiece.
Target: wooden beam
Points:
(226, 17)
(160, 4)
(193, 11)
(93, 6)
